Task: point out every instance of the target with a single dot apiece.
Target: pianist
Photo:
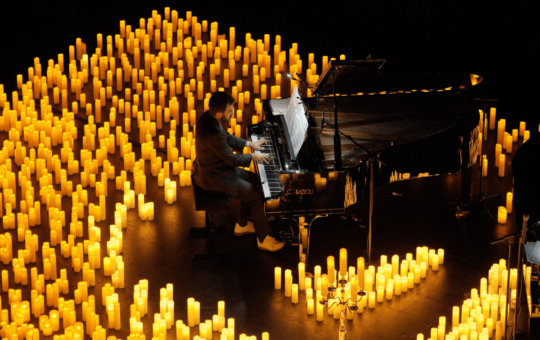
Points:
(216, 168)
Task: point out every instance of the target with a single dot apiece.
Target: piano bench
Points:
(211, 203)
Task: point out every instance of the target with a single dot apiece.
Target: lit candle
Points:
(288, 282)
(501, 165)
(527, 135)
(515, 135)
(492, 118)
(320, 312)
(508, 143)
(310, 306)
(410, 280)
(360, 269)
(277, 278)
(380, 294)
(397, 284)
(371, 300)
(440, 253)
(331, 271)
(294, 297)
(502, 215)
(354, 288)
(342, 262)
(389, 292)
(301, 275)
(484, 167)
(324, 285)
(435, 263)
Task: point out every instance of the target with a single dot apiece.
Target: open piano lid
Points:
(361, 76)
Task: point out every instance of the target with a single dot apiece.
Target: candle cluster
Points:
(142, 78)
(382, 284)
(484, 315)
(164, 320)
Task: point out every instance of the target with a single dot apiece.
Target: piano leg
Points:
(466, 184)
(467, 205)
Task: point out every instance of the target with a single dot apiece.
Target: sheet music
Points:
(297, 123)
(279, 106)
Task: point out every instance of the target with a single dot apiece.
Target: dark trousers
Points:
(251, 196)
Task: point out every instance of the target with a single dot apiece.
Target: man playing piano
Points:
(216, 168)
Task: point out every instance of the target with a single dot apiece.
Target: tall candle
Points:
(310, 306)
(509, 199)
(380, 294)
(360, 264)
(324, 285)
(277, 278)
(288, 283)
(435, 263)
(501, 165)
(294, 295)
(301, 275)
(484, 167)
(371, 300)
(331, 271)
(508, 143)
(492, 118)
(342, 262)
(521, 128)
(320, 312)
(440, 253)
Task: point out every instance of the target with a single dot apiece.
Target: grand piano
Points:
(389, 127)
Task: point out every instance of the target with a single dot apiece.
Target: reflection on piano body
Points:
(411, 123)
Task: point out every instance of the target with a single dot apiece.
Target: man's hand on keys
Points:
(257, 145)
(257, 156)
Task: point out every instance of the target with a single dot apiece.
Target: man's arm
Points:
(235, 142)
(222, 148)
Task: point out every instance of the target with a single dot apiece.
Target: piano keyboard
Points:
(270, 181)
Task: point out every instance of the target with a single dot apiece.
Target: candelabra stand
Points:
(344, 304)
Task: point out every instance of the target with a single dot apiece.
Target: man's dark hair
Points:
(219, 101)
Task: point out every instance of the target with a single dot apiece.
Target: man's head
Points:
(221, 106)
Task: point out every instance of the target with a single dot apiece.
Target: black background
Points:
(496, 40)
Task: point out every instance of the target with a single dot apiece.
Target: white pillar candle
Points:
(288, 283)
(277, 278)
(310, 306)
(435, 263)
(509, 198)
(380, 294)
(502, 215)
(301, 276)
(294, 295)
(371, 300)
(440, 253)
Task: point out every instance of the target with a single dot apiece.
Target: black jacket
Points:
(215, 164)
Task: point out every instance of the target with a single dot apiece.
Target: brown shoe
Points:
(270, 244)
